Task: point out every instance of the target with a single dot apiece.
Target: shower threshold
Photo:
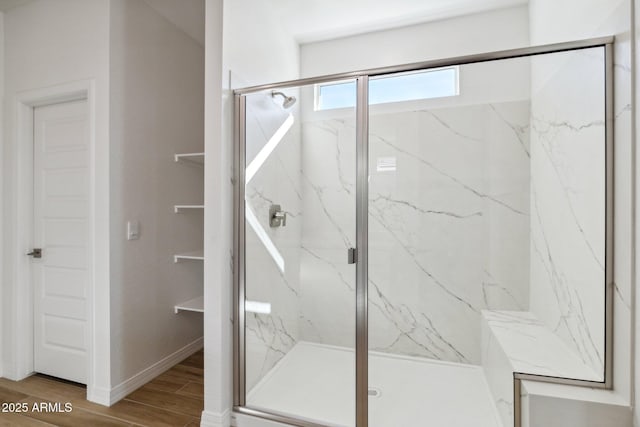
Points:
(315, 382)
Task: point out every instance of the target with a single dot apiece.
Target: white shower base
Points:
(315, 382)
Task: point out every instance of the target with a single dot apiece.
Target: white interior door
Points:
(61, 228)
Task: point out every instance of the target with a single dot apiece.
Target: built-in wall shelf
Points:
(190, 160)
(196, 304)
(195, 255)
(187, 208)
(197, 158)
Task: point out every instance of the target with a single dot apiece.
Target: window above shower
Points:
(411, 86)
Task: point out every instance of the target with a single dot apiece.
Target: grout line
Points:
(130, 422)
(89, 412)
(158, 407)
(180, 389)
(188, 382)
(194, 419)
(44, 423)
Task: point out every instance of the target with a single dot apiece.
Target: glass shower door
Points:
(431, 207)
(487, 234)
(299, 224)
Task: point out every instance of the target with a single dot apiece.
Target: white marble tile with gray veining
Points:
(430, 268)
(568, 201)
(276, 182)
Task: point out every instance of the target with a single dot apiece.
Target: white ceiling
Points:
(10, 4)
(315, 20)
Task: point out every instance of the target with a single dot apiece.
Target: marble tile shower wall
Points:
(568, 199)
(448, 227)
(270, 336)
(327, 281)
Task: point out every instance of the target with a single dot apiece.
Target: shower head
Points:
(288, 100)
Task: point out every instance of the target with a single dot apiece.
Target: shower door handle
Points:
(352, 256)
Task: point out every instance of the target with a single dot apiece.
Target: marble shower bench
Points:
(517, 341)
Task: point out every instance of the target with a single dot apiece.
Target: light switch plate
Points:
(133, 230)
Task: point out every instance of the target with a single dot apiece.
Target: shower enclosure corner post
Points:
(517, 401)
(238, 252)
(609, 215)
(362, 266)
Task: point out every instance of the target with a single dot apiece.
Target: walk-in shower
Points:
(413, 241)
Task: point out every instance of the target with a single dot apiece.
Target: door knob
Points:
(36, 253)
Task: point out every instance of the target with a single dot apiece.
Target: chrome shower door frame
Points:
(362, 173)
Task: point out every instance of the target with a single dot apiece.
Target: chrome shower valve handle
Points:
(277, 217)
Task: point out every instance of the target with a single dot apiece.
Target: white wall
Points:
(553, 21)
(1, 186)
(482, 32)
(217, 239)
(217, 242)
(157, 104)
(261, 55)
(636, 119)
(51, 43)
(256, 48)
(157, 101)
(186, 15)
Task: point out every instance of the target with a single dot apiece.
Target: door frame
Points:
(21, 285)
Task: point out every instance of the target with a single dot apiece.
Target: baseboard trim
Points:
(214, 419)
(141, 378)
(99, 395)
(7, 372)
(12, 373)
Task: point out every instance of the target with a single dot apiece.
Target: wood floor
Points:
(175, 398)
